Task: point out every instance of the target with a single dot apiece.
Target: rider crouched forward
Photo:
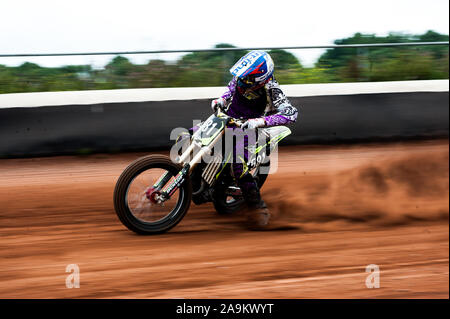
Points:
(255, 96)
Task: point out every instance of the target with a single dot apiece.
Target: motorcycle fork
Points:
(170, 188)
(162, 181)
(180, 178)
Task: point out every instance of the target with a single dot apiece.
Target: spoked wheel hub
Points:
(153, 195)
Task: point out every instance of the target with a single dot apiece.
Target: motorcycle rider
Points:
(253, 95)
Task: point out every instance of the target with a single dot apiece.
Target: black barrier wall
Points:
(74, 129)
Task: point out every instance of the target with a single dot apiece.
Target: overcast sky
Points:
(50, 26)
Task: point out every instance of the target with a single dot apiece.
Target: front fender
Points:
(275, 134)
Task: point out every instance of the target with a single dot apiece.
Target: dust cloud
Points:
(413, 188)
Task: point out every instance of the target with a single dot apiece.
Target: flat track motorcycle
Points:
(154, 193)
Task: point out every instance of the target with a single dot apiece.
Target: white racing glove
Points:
(218, 103)
(253, 123)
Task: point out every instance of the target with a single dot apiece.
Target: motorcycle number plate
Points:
(209, 129)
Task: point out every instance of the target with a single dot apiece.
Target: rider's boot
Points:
(258, 215)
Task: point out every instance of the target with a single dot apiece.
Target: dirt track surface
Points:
(348, 207)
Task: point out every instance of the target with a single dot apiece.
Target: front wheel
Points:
(135, 210)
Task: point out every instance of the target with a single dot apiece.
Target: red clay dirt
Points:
(347, 207)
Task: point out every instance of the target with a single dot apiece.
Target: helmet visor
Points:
(246, 82)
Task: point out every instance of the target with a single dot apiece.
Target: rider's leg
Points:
(258, 214)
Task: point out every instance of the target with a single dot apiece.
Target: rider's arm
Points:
(225, 98)
(281, 111)
(231, 88)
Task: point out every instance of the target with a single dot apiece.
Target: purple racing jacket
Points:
(268, 102)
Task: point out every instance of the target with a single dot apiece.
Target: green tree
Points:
(367, 64)
(119, 66)
(284, 60)
(209, 68)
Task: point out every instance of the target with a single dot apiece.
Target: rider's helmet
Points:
(253, 70)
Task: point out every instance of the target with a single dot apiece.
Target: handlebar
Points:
(232, 121)
(236, 122)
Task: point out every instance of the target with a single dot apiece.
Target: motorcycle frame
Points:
(201, 150)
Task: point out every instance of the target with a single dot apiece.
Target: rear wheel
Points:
(228, 204)
(135, 210)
